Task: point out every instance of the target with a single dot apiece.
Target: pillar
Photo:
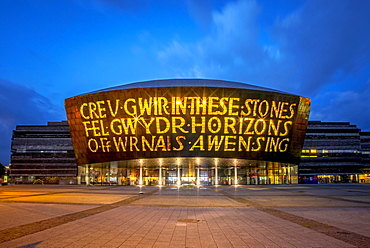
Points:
(216, 175)
(87, 176)
(235, 175)
(160, 175)
(141, 175)
(178, 176)
(128, 176)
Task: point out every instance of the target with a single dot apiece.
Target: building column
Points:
(119, 179)
(160, 176)
(198, 178)
(178, 176)
(235, 175)
(87, 176)
(216, 172)
(141, 174)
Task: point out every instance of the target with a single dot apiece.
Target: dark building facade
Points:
(334, 152)
(365, 150)
(43, 154)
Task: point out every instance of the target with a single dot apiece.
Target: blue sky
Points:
(54, 49)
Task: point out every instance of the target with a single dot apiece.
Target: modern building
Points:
(335, 152)
(310, 169)
(365, 151)
(187, 131)
(43, 154)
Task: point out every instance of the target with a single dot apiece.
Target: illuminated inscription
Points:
(227, 124)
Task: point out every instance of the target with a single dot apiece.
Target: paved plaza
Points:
(331, 215)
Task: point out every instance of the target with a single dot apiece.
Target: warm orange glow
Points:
(193, 121)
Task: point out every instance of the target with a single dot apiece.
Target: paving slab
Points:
(224, 216)
(230, 225)
(351, 219)
(299, 201)
(16, 214)
(71, 198)
(188, 201)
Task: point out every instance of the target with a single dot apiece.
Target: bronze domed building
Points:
(187, 131)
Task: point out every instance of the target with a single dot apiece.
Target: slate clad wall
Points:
(43, 150)
(365, 146)
(331, 148)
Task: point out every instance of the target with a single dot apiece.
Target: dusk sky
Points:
(51, 50)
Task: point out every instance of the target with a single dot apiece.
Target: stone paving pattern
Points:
(334, 215)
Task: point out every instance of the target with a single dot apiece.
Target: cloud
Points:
(315, 45)
(344, 106)
(323, 40)
(21, 105)
(311, 50)
(230, 46)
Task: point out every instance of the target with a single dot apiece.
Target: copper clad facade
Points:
(189, 121)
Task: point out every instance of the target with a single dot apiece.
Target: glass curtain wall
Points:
(188, 171)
